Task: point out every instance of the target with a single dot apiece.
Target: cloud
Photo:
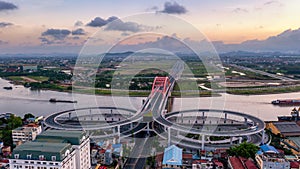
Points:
(119, 25)
(5, 24)
(78, 23)
(271, 2)
(54, 36)
(240, 10)
(174, 8)
(274, 3)
(3, 42)
(99, 22)
(153, 8)
(79, 31)
(287, 41)
(115, 24)
(45, 40)
(7, 6)
(58, 34)
(61, 36)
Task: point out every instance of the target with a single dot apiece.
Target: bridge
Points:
(162, 124)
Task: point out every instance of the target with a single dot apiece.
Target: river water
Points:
(22, 100)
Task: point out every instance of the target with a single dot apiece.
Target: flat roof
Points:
(48, 150)
(63, 133)
(42, 147)
(296, 140)
(22, 129)
(73, 137)
(287, 127)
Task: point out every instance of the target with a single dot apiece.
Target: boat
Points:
(286, 102)
(8, 88)
(53, 100)
(294, 115)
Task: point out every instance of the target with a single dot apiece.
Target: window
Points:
(28, 156)
(41, 157)
(53, 158)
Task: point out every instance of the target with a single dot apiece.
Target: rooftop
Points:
(236, 163)
(268, 149)
(287, 127)
(41, 146)
(296, 140)
(35, 149)
(73, 137)
(172, 156)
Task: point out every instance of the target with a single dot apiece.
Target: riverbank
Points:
(106, 92)
(265, 91)
(143, 93)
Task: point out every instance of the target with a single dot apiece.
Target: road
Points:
(283, 78)
(136, 159)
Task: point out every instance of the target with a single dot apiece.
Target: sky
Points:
(49, 26)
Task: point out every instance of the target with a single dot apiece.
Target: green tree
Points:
(13, 122)
(7, 137)
(247, 150)
(28, 115)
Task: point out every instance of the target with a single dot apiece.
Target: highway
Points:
(156, 104)
(283, 78)
(51, 120)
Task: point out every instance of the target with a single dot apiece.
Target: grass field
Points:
(266, 90)
(38, 78)
(15, 78)
(23, 78)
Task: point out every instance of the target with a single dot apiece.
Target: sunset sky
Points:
(43, 25)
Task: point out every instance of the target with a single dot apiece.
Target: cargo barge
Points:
(286, 102)
(8, 88)
(53, 100)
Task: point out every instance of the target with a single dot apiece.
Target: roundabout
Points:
(189, 128)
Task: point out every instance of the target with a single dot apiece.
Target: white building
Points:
(269, 158)
(43, 155)
(54, 149)
(26, 133)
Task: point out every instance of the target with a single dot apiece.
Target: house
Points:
(26, 133)
(285, 129)
(235, 163)
(269, 157)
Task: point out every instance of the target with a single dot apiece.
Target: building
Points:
(54, 149)
(285, 129)
(158, 160)
(295, 164)
(30, 68)
(26, 133)
(235, 163)
(294, 144)
(172, 157)
(203, 163)
(79, 141)
(241, 163)
(43, 155)
(268, 157)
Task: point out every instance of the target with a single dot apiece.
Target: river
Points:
(22, 100)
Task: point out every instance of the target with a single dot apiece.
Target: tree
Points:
(27, 116)
(7, 137)
(13, 122)
(247, 150)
